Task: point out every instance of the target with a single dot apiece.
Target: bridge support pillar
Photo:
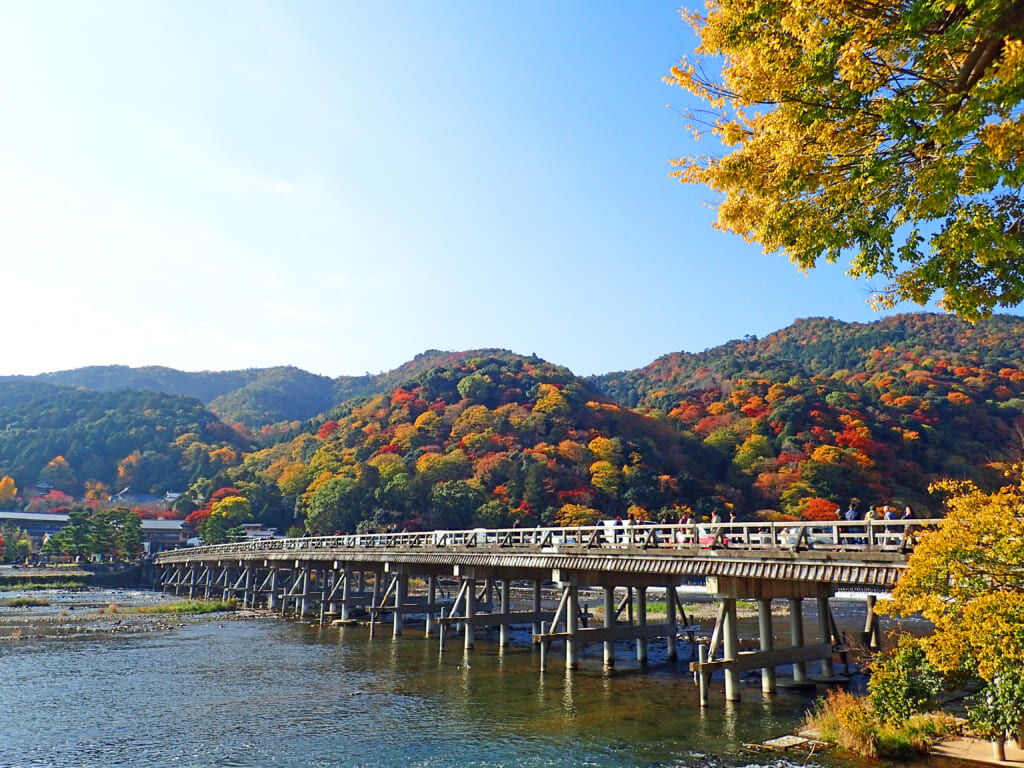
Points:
(872, 635)
(671, 600)
(796, 636)
(401, 587)
(764, 626)
(272, 595)
(226, 574)
(504, 629)
(609, 622)
(346, 593)
(537, 626)
(825, 633)
(572, 623)
(731, 648)
(641, 620)
(249, 596)
(307, 573)
(376, 598)
(469, 627)
(431, 601)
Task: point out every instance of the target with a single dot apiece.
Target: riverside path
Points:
(340, 577)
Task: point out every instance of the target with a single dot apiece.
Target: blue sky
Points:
(339, 186)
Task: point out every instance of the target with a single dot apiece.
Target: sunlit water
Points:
(266, 692)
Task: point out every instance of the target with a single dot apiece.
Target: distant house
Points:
(156, 534)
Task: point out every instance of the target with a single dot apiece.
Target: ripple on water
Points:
(268, 693)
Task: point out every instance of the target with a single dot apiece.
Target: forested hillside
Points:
(79, 441)
(265, 401)
(831, 409)
(487, 441)
(798, 423)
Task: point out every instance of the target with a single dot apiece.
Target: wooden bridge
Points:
(338, 577)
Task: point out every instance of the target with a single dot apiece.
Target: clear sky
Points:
(341, 185)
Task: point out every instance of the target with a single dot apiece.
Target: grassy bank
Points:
(192, 607)
(26, 585)
(25, 602)
(850, 722)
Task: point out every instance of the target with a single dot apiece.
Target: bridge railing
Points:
(862, 535)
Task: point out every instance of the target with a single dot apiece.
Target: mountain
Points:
(483, 441)
(73, 439)
(255, 397)
(838, 410)
(803, 419)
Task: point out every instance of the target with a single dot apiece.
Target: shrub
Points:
(998, 708)
(903, 683)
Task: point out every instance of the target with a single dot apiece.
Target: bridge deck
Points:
(869, 554)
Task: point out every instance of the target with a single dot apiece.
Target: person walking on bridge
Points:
(852, 515)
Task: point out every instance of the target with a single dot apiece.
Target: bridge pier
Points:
(401, 587)
(469, 628)
(431, 602)
(671, 603)
(764, 628)
(828, 670)
(537, 626)
(727, 590)
(641, 620)
(505, 608)
(572, 618)
(796, 635)
(609, 622)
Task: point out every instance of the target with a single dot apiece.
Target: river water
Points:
(267, 692)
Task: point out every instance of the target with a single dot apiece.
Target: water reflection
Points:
(568, 705)
(279, 693)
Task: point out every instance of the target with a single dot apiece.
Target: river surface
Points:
(268, 692)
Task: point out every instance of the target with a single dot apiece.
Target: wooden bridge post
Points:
(572, 623)
(469, 627)
(249, 596)
(670, 610)
(641, 620)
(227, 572)
(731, 648)
(872, 635)
(504, 628)
(796, 636)
(703, 678)
(330, 589)
(609, 622)
(375, 601)
(431, 601)
(346, 593)
(825, 633)
(401, 588)
(304, 599)
(764, 626)
(272, 591)
(537, 625)
(543, 648)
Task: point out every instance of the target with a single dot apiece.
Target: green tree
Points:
(453, 505)
(337, 506)
(15, 544)
(75, 538)
(889, 130)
